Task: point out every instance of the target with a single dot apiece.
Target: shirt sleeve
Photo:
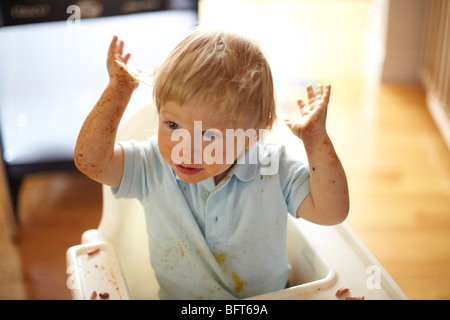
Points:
(295, 180)
(140, 172)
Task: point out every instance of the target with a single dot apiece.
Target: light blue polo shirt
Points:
(207, 241)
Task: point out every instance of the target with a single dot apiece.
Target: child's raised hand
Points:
(117, 65)
(313, 115)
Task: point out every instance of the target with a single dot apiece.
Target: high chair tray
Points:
(94, 272)
(354, 266)
(323, 260)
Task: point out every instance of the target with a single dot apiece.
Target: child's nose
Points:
(197, 153)
(191, 152)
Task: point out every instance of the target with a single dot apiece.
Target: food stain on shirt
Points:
(220, 258)
(182, 251)
(238, 283)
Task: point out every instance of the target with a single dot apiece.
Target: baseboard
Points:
(437, 111)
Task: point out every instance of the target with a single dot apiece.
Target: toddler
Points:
(216, 196)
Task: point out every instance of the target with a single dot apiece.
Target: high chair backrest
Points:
(123, 222)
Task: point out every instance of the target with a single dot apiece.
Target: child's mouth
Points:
(188, 171)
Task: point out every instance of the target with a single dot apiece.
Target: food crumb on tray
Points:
(344, 290)
(341, 291)
(102, 295)
(92, 251)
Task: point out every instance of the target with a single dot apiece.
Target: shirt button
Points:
(205, 194)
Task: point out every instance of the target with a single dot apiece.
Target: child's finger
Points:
(326, 94)
(289, 123)
(112, 46)
(286, 120)
(301, 104)
(120, 48)
(319, 90)
(328, 89)
(126, 58)
(310, 91)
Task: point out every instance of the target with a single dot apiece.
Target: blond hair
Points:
(225, 70)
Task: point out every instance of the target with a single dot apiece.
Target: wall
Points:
(405, 21)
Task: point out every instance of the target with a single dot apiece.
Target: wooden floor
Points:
(54, 210)
(399, 176)
(398, 168)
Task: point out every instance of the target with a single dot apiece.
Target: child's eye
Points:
(172, 125)
(211, 134)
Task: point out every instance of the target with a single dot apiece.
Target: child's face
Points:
(192, 140)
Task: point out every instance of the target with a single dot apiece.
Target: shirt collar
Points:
(243, 169)
(245, 172)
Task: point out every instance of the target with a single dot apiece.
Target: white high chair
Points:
(322, 259)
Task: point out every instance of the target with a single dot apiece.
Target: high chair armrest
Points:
(94, 272)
